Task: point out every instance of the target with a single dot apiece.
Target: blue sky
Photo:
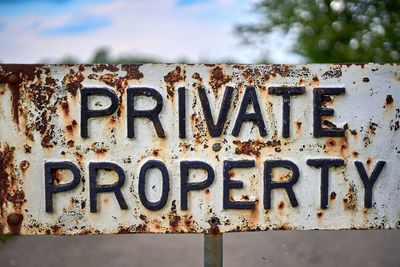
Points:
(197, 30)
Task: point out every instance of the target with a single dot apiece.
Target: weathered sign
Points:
(93, 149)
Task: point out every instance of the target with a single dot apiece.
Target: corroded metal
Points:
(40, 118)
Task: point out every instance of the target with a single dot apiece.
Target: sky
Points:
(44, 31)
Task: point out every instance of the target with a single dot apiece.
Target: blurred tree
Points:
(68, 60)
(332, 31)
(102, 55)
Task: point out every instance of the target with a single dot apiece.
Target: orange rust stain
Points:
(188, 222)
(330, 142)
(231, 174)
(70, 128)
(65, 107)
(15, 75)
(185, 147)
(218, 78)
(173, 77)
(58, 178)
(174, 223)
(298, 126)
(369, 163)
(320, 214)
(112, 122)
(245, 197)
(340, 146)
(197, 77)
(253, 147)
(372, 128)
(350, 201)
(281, 205)
(355, 154)
(333, 195)
(155, 152)
(79, 158)
(24, 165)
(27, 148)
(315, 81)
(70, 143)
(73, 82)
(254, 214)
(10, 194)
(389, 101)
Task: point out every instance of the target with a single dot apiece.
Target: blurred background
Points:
(202, 31)
(199, 31)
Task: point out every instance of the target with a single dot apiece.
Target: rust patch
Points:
(155, 152)
(27, 148)
(72, 82)
(372, 127)
(389, 100)
(333, 195)
(350, 201)
(132, 71)
(218, 78)
(254, 211)
(326, 99)
(365, 79)
(197, 77)
(14, 222)
(188, 222)
(254, 146)
(174, 219)
(40, 95)
(70, 143)
(298, 126)
(214, 222)
(103, 67)
(369, 161)
(9, 191)
(173, 77)
(24, 165)
(339, 146)
(332, 73)
(14, 75)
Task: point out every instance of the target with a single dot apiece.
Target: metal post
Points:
(213, 250)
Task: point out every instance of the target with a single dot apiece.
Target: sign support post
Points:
(213, 250)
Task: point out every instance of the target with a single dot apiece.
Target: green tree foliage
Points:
(102, 55)
(332, 31)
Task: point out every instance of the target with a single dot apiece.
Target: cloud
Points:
(82, 25)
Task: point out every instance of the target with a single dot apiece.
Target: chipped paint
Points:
(40, 114)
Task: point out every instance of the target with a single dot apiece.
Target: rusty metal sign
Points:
(97, 149)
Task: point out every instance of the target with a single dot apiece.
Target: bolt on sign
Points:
(96, 149)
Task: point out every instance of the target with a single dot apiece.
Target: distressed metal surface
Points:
(40, 121)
